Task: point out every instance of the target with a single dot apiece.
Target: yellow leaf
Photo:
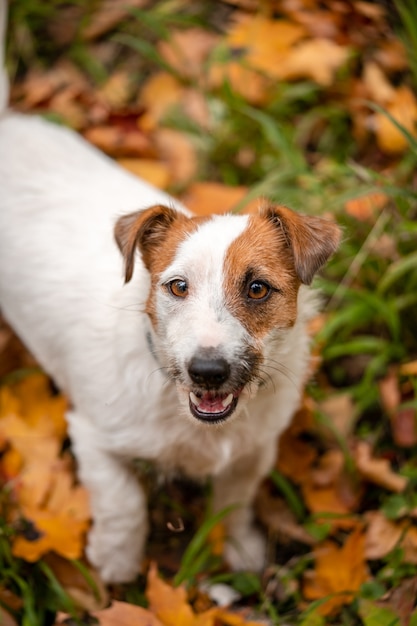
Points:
(316, 59)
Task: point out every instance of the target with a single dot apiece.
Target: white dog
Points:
(196, 363)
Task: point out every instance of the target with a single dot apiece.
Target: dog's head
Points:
(222, 287)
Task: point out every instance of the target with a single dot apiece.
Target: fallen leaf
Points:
(338, 573)
(179, 154)
(154, 172)
(116, 91)
(124, 614)
(365, 208)
(377, 471)
(187, 51)
(276, 516)
(158, 95)
(340, 411)
(383, 535)
(169, 604)
(403, 108)
(118, 141)
(377, 84)
(87, 592)
(107, 15)
(329, 490)
(317, 60)
(209, 197)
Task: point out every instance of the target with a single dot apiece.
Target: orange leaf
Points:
(154, 172)
(364, 207)
(339, 572)
(206, 198)
(60, 533)
(403, 108)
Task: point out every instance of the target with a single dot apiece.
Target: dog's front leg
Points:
(237, 486)
(119, 508)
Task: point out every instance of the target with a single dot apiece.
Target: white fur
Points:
(61, 288)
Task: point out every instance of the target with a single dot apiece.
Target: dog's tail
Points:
(4, 80)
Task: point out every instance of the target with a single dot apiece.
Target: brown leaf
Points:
(383, 535)
(274, 513)
(377, 471)
(118, 141)
(329, 489)
(339, 409)
(123, 614)
(338, 572)
(85, 595)
(108, 15)
(187, 51)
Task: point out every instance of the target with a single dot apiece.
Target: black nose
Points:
(209, 372)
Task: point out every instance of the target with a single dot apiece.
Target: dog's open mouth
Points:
(213, 407)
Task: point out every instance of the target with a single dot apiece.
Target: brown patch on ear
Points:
(144, 229)
(312, 240)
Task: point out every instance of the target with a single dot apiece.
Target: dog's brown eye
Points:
(258, 290)
(178, 288)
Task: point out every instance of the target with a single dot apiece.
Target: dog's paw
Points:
(246, 551)
(117, 557)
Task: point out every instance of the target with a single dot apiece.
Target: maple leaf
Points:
(339, 572)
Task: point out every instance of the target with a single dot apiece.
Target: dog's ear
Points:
(312, 240)
(143, 230)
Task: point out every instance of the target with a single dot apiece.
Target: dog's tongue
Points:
(212, 403)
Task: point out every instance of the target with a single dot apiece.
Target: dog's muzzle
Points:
(214, 397)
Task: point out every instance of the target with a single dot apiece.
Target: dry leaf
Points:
(116, 91)
(158, 95)
(328, 489)
(377, 471)
(364, 208)
(379, 88)
(339, 409)
(403, 108)
(245, 81)
(207, 198)
(338, 572)
(87, 596)
(118, 141)
(179, 154)
(187, 51)
(154, 172)
(171, 606)
(123, 614)
(383, 535)
(316, 60)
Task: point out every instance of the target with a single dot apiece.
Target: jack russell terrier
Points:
(196, 362)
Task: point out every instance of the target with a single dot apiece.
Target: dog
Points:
(179, 339)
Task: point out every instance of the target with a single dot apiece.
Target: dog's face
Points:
(223, 289)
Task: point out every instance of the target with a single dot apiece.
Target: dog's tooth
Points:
(227, 401)
(194, 399)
